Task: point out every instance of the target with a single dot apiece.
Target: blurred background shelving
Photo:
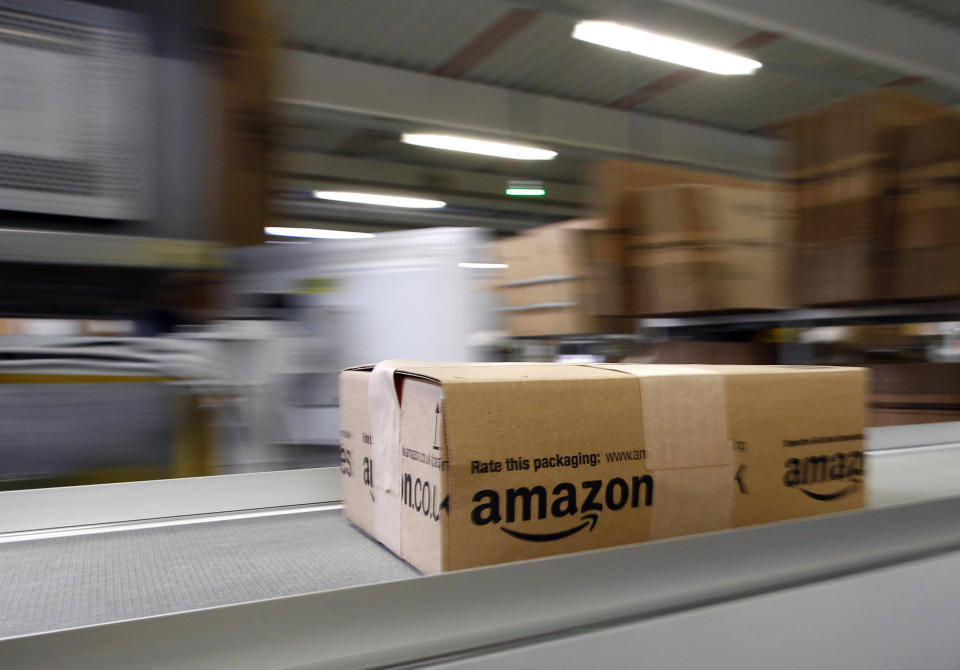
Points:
(802, 214)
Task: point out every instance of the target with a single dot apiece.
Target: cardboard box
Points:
(611, 184)
(708, 248)
(928, 210)
(906, 393)
(714, 353)
(477, 464)
(356, 442)
(841, 160)
(706, 278)
(844, 237)
(928, 273)
(903, 417)
(849, 132)
(562, 279)
(613, 195)
(931, 141)
(723, 213)
(908, 385)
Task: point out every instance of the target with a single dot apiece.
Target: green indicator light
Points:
(526, 191)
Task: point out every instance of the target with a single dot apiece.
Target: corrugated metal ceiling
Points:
(334, 132)
(943, 12)
(795, 78)
(411, 34)
(542, 58)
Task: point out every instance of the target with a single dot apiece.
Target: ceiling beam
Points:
(308, 171)
(488, 41)
(862, 29)
(318, 81)
(318, 213)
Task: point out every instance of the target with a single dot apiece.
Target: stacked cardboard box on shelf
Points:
(611, 183)
(241, 112)
(928, 209)
(841, 163)
(906, 393)
(707, 248)
(456, 465)
(561, 279)
(613, 186)
(712, 353)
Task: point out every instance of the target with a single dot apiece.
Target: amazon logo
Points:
(844, 470)
(584, 503)
(423, 496)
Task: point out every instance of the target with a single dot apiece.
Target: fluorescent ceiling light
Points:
(483, 266)
(515, 190)
(315, 233)
(483, 147)
(379, 199)
(661, 47)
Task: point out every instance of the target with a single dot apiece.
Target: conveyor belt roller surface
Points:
(66, 582)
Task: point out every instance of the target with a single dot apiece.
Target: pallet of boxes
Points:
(926, 258)
(694, 241)
(908, 393)
(698, 248)
(459, 465)
(842, 167)
(664, 240)
(562, 279)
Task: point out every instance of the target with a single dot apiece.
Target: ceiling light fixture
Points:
(379, 199)
(661, 47)
(525, 191)
(525, 188)
(483, 147)
(315, 233)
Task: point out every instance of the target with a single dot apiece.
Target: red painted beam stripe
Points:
(662, 85)
(909, 80)
(675, 79)
(755, 41)
(486, 42)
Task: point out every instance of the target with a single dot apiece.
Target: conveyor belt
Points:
(65, 582)
(56, 583)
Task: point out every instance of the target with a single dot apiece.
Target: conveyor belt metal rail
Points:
(875, 588)
(534, 605)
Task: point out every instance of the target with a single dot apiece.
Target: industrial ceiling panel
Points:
(842, 73)
(540, 56)
(564, 168)
(795, 78)
(739, 103)
(543, 58)
(662, 17)
(412, 34)
(943, 12)
(345, 134)
(527, 46)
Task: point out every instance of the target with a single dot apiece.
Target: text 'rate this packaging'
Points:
(454, 466)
